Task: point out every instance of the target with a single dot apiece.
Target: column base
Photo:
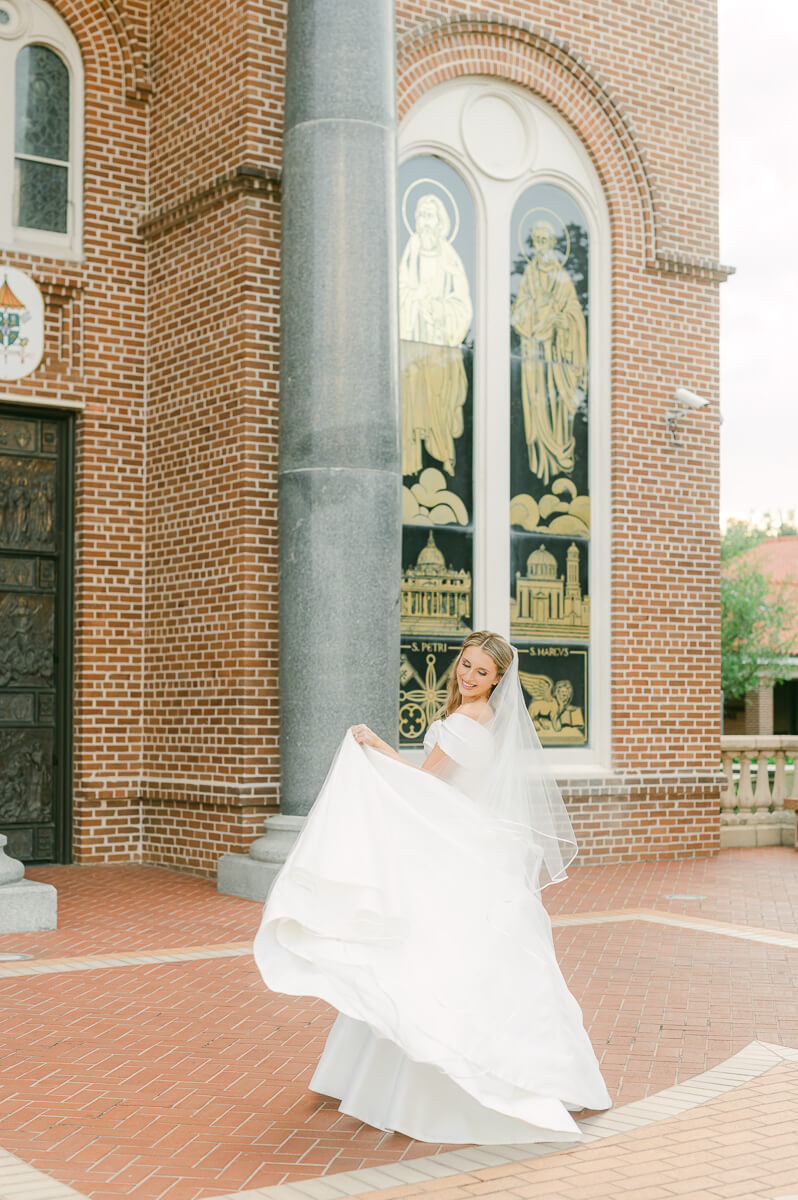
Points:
(251, 875)
(28, 907)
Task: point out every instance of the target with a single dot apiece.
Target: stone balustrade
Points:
(757, 807)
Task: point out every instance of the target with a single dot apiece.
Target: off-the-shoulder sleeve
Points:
(431, 736)
(465, 741)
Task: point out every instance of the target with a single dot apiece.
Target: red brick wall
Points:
(94, 354)
(186, 835)
(211, 675)
(170, 334)
(645, 819)
(210, 760)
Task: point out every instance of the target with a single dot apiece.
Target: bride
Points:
(411, 904)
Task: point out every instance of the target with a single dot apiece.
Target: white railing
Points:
(744, 791)
(758, 792)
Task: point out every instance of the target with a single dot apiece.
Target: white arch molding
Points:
(502, 139)
(35, 22)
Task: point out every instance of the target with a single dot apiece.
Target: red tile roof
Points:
(777, 559)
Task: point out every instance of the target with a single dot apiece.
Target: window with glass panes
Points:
(41, 139)
(504, 353)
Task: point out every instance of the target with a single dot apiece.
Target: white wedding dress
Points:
(409, 908)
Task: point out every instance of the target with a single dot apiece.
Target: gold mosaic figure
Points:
(434, 317)
(549, 320)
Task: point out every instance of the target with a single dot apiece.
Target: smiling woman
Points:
(476, 675)
(483, 660)
(411, 903)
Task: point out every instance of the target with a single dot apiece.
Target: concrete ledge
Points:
(240, 875)
(739, 830)
(26, 907)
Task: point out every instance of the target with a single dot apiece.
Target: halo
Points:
(435, 183)
(557, 218)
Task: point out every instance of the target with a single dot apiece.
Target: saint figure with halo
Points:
(548, 318)
(434, 317)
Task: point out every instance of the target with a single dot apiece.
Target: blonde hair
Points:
(494, 645)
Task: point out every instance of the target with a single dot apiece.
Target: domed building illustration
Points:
(545, 604)
(436, 598)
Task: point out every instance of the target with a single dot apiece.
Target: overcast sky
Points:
(759, 236)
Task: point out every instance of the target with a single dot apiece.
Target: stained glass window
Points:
(41, 139)
(549, 477)
(436, 290)
(506, 417)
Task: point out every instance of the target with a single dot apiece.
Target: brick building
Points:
(561, 154)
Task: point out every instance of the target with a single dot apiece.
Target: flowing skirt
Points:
(408, 910)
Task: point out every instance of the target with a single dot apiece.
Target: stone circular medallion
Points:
(498, 134)
(21, 324)
(13, 18)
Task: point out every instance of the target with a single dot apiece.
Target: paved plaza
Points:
(142, 1057)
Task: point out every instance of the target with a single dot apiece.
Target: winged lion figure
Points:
(549, 700)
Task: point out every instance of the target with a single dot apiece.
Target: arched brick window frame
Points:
(491, 50)
(441, 51)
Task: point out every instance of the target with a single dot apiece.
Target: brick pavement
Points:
(704, 1154)
(124, 907)
(187, 1079)
(754, 887)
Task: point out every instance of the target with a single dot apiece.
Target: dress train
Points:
(405, 907)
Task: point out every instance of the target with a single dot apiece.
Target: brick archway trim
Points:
(492, 45)
(84, 20)
(137, 82)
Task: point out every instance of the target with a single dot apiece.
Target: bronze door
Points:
(35, 633)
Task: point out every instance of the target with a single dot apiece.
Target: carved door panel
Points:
(35, 590)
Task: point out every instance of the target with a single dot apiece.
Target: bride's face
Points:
(476, 674)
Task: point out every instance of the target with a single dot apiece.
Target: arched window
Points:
(504, 255)
(41, 82)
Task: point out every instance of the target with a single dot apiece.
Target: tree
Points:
(738, 537)
(755, 616)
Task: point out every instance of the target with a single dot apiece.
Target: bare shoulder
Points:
(474, 710)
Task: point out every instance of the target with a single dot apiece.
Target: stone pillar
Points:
(759, 712)
(340, 470)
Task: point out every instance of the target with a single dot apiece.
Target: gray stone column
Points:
(340, 480)
(340, 470)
